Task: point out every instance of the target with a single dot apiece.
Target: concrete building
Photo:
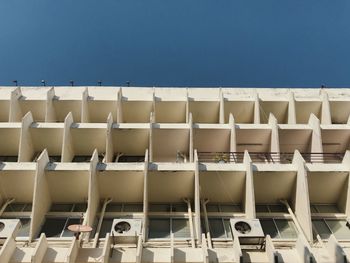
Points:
(174, 175)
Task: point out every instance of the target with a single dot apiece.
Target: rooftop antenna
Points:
(71, 82)
(43, 82)
(99, 82)
(15, 82)
(128, 83)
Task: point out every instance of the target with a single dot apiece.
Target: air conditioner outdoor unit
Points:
(9, 227)
(126, 230)
(249, 231)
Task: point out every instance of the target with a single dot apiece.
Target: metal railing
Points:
(268, 157)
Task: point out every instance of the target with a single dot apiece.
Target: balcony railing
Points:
(268, 157)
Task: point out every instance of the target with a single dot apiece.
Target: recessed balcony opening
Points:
(328, 201)
(340, 111)
(170, 187)
(224, 191)
(171, 145)
(328, 188)
(170, 111)
(129, 145)
(63, 107)
(44, 138)
(303, 110)
(278, 108)
(36, 107)
(85, 141)
(295, 139)
(9, 144)
(205, 111)
(270, 188)
(335, 143)
(4, 110)
(22, 195)
(98, 110)
(242, 111)
(253, 140)
(136, 111)
(212, 145)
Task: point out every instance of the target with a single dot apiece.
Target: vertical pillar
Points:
(67, 146)
(40, 250)
(151, 138)
(249, 201)
(109, 140)
(326, 109)
(93, 193)
(26, 147)
(190, 124)
(197, 205)
(15, 114)
(222, 108)
(50, 113)
(233, 138)
(85, 116)
(120, 106)
(41, 196)
(187, 107)
(257, 109)
(291, 109)
(316, 139)
(275, 142)
(302, 201)
(73, 251)
(145, 198)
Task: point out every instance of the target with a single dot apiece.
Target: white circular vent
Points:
(122, 227)
(243, 227)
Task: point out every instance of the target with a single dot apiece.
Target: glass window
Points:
(277, 208)
(261, 209)
(27, 208)
(181, 228)
(24, 229)
(321, 228)
(159, 208)
(159, 228)
(133, 208)
(15, 207)
(227, 226)
(61, 207)
(106, 227)
(327, 208)
(53, 227)
(212, 208)
(80, 207)
(269, 228)
(217, 229)
(230, 208)
(339, 228)
(286, 228)
(114, 207)
(180, 208)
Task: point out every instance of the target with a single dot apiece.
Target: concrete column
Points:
(275, 142)
(326, 109)
(15, 114)
(73, 251)
(7, 250)
(67, 146)
(222, 108)
(303, 249)
(154, 105)
(187, 107)
(109, 139)
(249, 200)
(93, 193)
(233, 138)
(106, 249)
(190, 124)
(145, 198)
(26, 147)
(270, 250)
(197, 204)
(291, 109)
(345, 195)
(50, 113)
(316, 140)
(41, 196)
(40, 249)
(119, 106)
(85, 116)
(151, 139)
(302, 201)
(335, 251)
(257, 109)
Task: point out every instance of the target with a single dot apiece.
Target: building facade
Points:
(174, 175)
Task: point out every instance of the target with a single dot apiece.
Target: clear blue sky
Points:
(176, 43)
